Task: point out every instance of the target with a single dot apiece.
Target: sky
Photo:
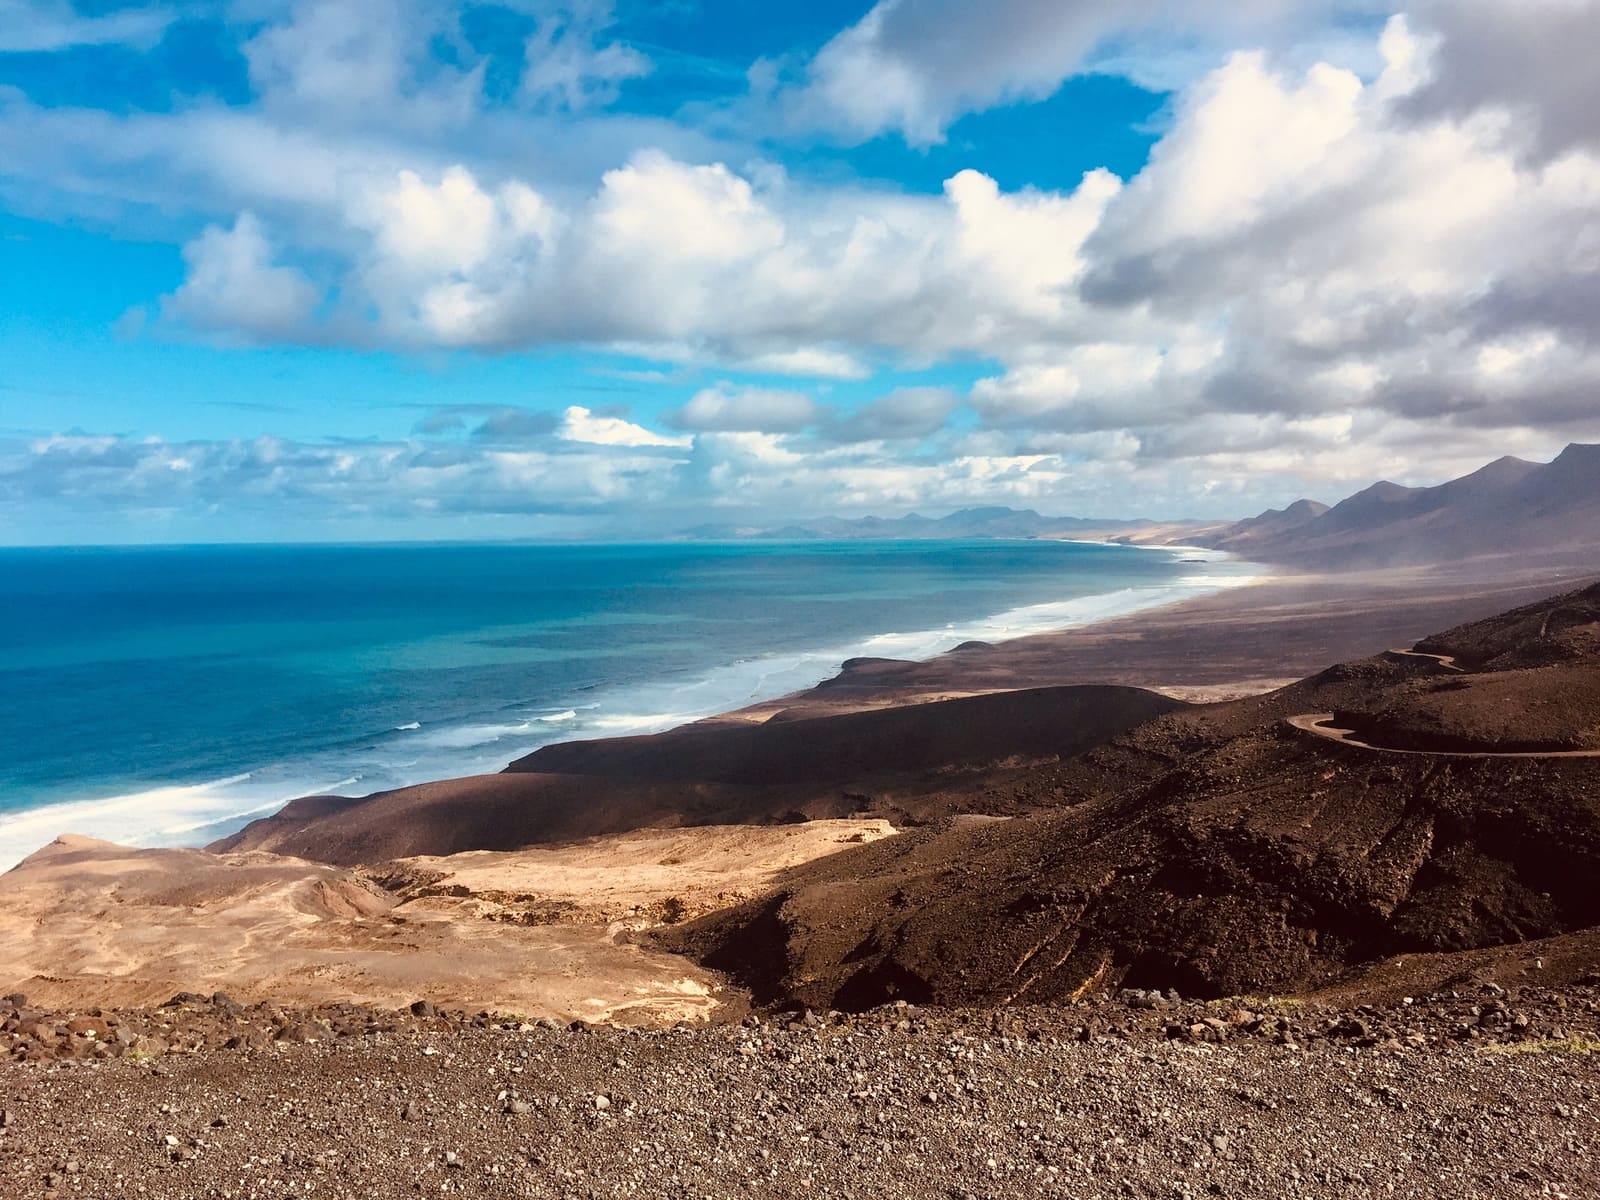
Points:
(362, 269)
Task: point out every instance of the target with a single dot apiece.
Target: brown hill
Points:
(1509, 507)
(1269, 527)
(1217, 850)
(1565, 629)
(909, 765)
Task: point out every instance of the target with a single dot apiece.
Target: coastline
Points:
(1283, 626)
(189, 814)
(1197, 639)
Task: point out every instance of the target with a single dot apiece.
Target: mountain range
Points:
(1510, 506)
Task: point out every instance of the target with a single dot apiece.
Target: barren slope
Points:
(1218, 850)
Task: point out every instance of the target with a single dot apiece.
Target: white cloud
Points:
(912, 67)
(1320, 267)
(728, 409)
(234, 287)
(36, 26)
(1304, 248)
(580, 425)
(568, 66)
(360, 63)
(811, 361)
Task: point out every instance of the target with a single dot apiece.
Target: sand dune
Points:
(542, 933)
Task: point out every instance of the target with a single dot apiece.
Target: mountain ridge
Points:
(1508, 506)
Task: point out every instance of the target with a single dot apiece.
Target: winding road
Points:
(1317, 723)
(1446, 661)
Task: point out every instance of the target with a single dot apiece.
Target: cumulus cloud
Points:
(912, 67)
(1322, 273)
(672, 257)
(578, 424)
(1351, 256)
(1530, 63)
(727, 409)
(234, 287)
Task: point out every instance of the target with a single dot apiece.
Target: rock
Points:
(411, 1111)
(8, 1119)
(16, 1000)
(601, 1103)
(518, 1108)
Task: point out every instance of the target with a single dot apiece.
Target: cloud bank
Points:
(1324, 273)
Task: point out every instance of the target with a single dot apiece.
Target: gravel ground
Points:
(896, 1103)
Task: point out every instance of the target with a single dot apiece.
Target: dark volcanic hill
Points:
(1221, 850)
(908, 764)
(1507, 507)
(1065, 840)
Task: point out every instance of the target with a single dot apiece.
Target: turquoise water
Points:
(165, 695)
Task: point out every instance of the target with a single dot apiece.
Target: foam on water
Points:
(410, 753)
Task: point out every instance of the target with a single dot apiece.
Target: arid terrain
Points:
(543, 932)
(1286, 891)
(1477, 1094)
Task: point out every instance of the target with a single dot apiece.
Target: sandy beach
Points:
(1283, 625)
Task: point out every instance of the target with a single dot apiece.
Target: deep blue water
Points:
(163, 693)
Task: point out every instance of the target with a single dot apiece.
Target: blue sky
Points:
(408, 268)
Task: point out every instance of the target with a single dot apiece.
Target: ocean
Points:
(167, 695)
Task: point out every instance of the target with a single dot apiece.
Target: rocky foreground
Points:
(1481, 1093)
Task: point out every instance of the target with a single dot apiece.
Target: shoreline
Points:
(1227, 638)
(1284, 625)
(124, 817)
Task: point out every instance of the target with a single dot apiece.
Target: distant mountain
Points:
(991, 522)
(1508, 507)
(1271, 525)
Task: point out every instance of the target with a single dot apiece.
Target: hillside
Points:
(1219, 850)
(1508, 508)
(909, 765)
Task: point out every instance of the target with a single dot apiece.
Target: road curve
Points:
(1446, 661)
(1317, 723)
